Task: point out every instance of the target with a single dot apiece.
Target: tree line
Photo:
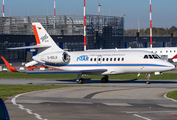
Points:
(155, 31)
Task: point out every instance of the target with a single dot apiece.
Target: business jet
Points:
(110, 62)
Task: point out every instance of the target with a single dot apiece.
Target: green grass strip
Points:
(10, 90)
(12, 75)
(172, 94)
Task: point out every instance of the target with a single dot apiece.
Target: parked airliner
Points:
(95, 62)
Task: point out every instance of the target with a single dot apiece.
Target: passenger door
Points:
(99, 59)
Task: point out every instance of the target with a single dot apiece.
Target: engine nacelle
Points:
(56, 58)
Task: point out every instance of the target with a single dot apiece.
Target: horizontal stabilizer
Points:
(28, 47)
(8, 65)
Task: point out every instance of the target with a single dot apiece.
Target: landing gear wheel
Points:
(148, 82)
(148, 75)
(80, 81)
(104, 79)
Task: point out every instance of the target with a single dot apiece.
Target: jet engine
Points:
(56, 58)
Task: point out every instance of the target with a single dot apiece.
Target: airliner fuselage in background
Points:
(96, 62)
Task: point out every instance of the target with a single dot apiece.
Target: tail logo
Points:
(44, 38)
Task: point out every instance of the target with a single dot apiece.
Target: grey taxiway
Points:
(116, 100)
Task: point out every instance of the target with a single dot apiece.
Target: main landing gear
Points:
(148, 75)
(104, 79)
(79, 79)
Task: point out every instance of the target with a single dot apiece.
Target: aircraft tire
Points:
(80, 81)
(148, 82)
(104, 80)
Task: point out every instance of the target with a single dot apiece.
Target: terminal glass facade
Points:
(102, 31)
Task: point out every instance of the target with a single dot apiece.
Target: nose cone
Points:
(166, 66)
(174, 67)
(171, 66)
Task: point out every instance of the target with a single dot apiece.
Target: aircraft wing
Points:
(28, 47)
(67, 72)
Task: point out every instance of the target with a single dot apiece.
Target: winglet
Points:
(8, 65)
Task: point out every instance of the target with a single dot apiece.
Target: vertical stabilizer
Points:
(43, 38)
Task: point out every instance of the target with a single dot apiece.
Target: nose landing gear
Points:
(148, 75)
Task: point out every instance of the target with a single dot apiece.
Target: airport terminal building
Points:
(67, 30)
(106, 32)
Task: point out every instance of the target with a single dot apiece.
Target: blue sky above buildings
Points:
(163, 11)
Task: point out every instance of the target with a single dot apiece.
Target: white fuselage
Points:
(169, 52)
(116, 62)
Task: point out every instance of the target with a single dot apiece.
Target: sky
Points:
(164, 12)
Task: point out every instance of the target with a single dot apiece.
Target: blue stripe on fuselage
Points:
(107, 65)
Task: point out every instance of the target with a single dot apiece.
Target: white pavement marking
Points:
(168, 105)
(141, 117)
(165, 96)
(117, 104)
(22, 107)
(152, 112)
(71, 102)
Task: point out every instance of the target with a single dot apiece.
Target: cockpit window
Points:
(155, 57)
(150, 57)
(145, 57)
(158, 57)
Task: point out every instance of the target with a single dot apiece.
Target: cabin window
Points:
(160, 51)
(170, 51)
(114, 59)
(91, 59)
(155, 51)
(118, 59)
(110, 59)
(103, 59)
(150, 57)
(145, 57)
(99, 59)
(122, 59)
(166, 51)
(94, 59)
(174, 51)
(107, 59)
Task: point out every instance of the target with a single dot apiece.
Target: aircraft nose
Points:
(173, 66)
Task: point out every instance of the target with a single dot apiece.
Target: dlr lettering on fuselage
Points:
(83, 58)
